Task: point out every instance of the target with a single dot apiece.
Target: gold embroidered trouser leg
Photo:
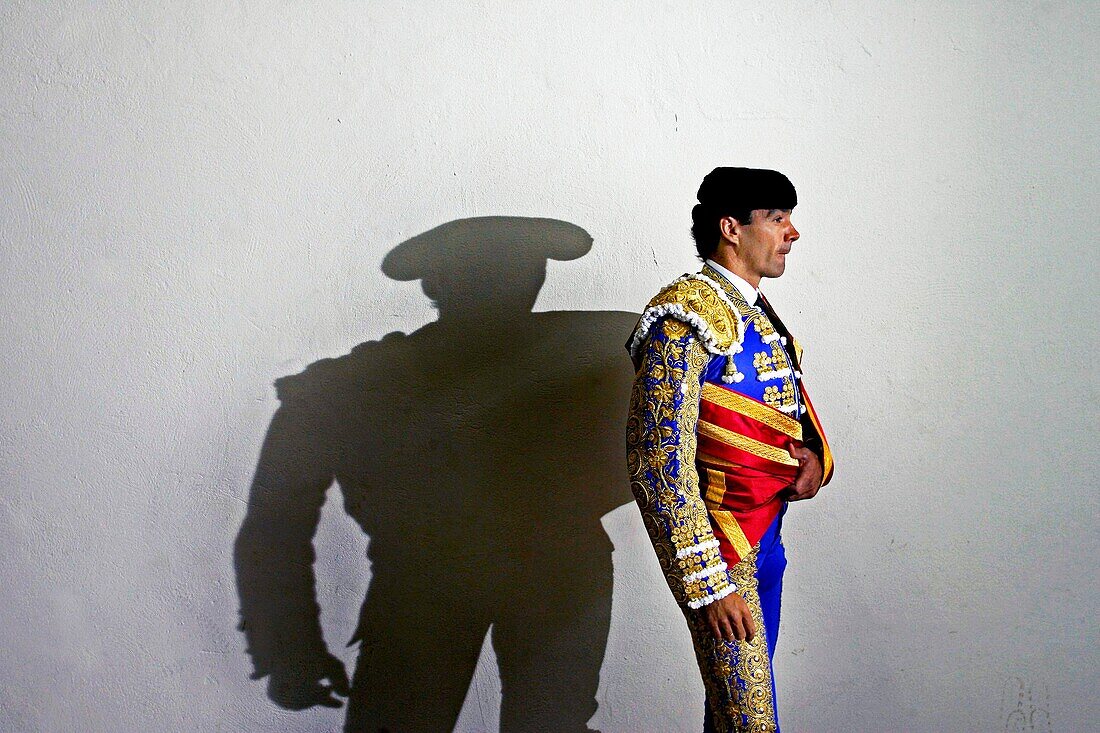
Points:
(737, 674)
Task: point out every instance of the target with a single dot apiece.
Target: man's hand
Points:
(808, 480)
(729, 619)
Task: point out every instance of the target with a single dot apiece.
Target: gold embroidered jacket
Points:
(694, 337)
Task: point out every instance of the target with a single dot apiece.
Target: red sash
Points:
(743, 459)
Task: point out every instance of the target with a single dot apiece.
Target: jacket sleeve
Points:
(661, 441)
(274, 552)
(810, 437)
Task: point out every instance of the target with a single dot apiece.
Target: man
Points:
(721, 436)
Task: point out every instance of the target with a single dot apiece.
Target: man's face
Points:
(763, 245)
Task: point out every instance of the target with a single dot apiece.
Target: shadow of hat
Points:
(513, 242)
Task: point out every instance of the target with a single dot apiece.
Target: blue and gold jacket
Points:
(716, 406)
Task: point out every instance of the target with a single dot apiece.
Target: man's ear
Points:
(730, 228)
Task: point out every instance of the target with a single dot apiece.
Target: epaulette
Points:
(330, 375)
(698, 301)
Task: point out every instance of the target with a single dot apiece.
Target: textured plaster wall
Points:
(197, 201)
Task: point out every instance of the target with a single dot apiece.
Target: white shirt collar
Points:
(748, 292)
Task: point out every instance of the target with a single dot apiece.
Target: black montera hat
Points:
(741, 189)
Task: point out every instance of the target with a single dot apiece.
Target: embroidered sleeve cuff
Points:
(706, 576)
(712, 595)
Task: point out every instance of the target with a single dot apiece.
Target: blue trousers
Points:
(738, 675)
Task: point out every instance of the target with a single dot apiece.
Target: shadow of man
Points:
(478, 453)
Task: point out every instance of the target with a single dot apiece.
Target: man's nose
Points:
(793, 234)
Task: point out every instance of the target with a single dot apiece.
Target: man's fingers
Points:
(802, 482)
(328, 701)
(338, 676)
(738, 627)
(803, 488)
(340, 684)
(750, 627)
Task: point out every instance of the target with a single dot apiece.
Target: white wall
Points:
(197, 201)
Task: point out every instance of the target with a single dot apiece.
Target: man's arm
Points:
(274, 558)
(664, 409)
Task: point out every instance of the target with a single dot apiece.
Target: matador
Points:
(721, 436)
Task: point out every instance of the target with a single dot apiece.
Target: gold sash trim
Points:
(733, 532)
(745, 443)
(826, 452)
(702, 457)
(751, 408)
(716, 487)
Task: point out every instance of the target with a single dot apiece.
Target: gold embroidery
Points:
(756, 317)
(772, 360)
(750, 313)
(762, 325)
(717, 661)
(749, 407)
(661, 444)
(762, 362)
(753, 668)
(747, 444)
(732, 293)
(779, 398)
(696, 296)
(737, 674)
(675, 329)
(729, 526)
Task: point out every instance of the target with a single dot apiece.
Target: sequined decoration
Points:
(781, 399)
(770, 361)
(762, 325)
